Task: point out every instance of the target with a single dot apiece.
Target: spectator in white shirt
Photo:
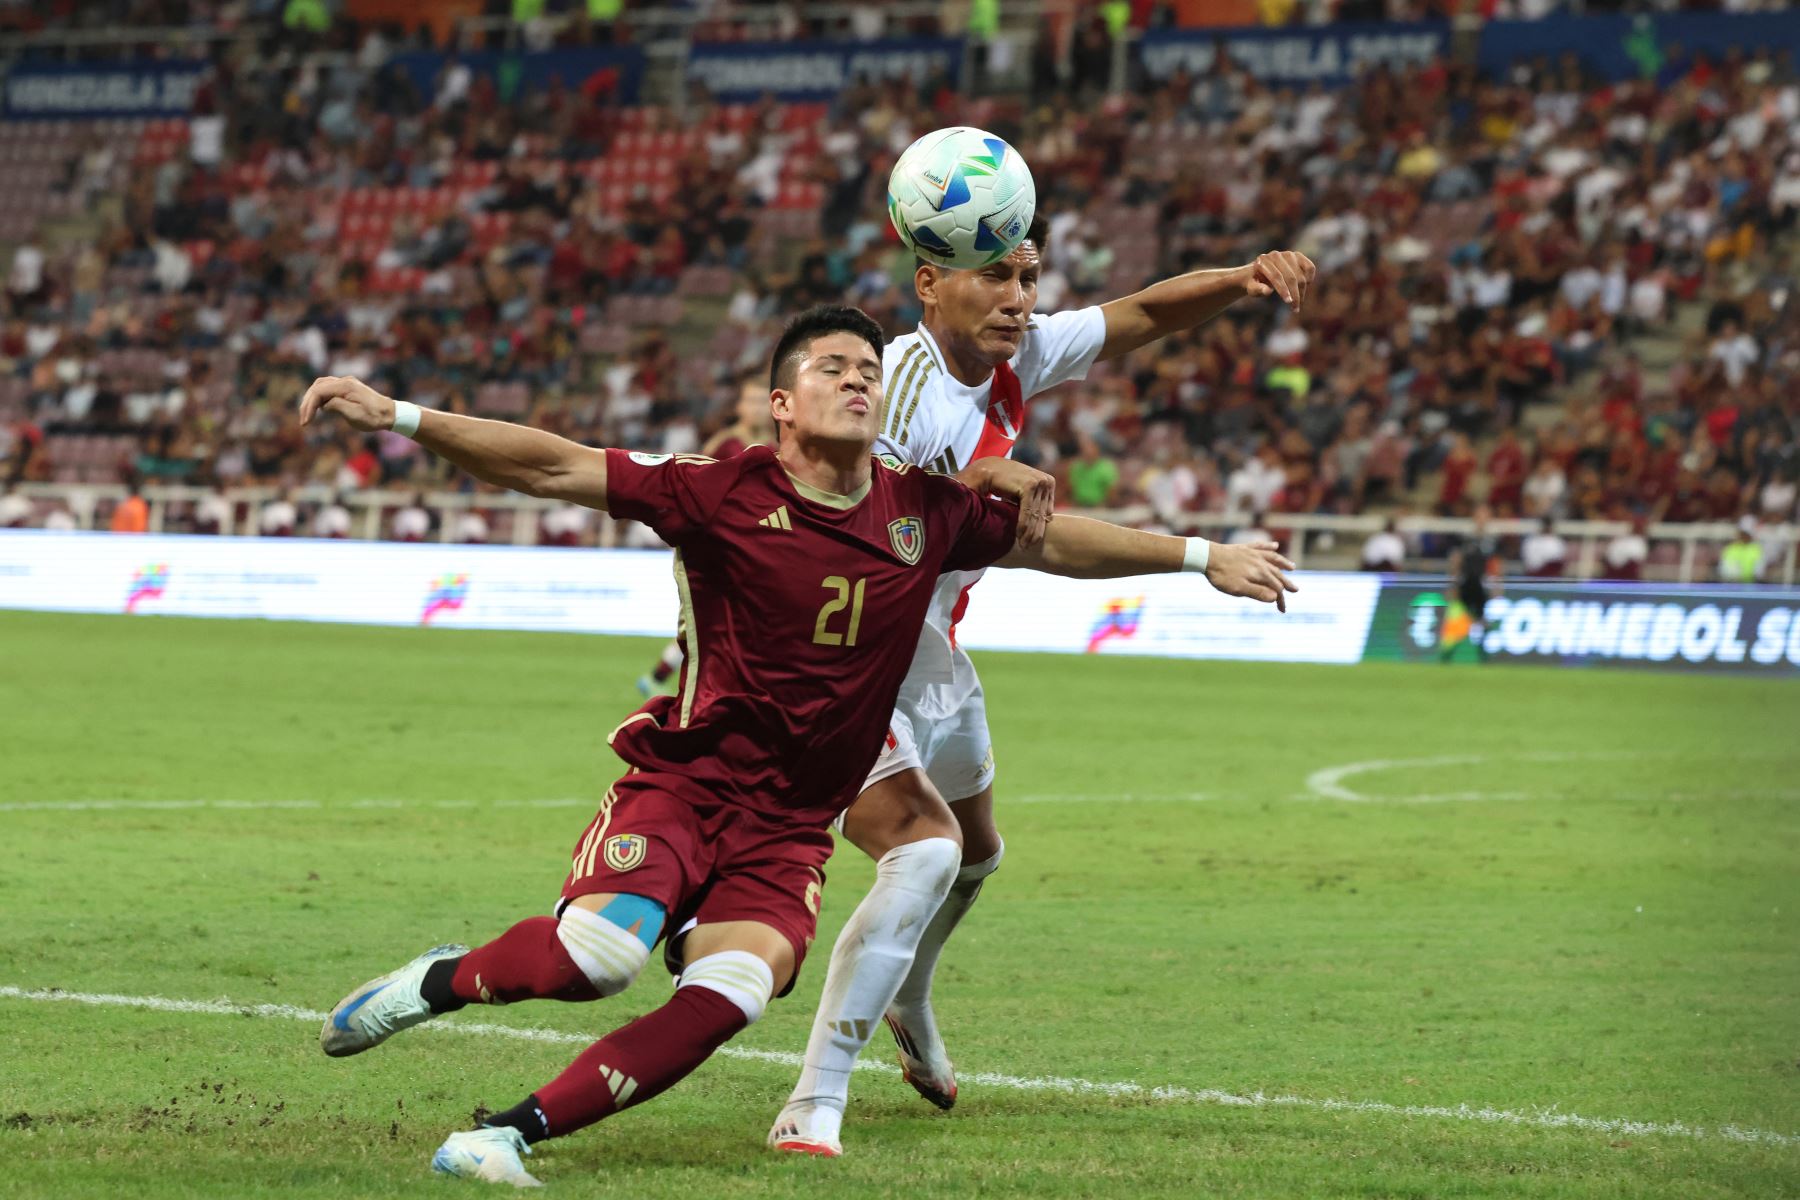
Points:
(61, 520)
(1256, 483)
(412, 523)
(565, 525)
(1544, 488)
(213, 514)
(1626, 553)
(332, 520)
(1385, 551)
(278, 518)
(15, 511)
(1649, 298)
(1778, 496)
(27, 278)
(1734, 350)
(1544, 553)
(472, 528)
(1255, 531)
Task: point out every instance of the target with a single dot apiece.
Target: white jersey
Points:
(935, 421)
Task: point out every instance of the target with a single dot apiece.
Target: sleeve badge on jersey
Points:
(908, 537)
(625, 851)
(648, 460)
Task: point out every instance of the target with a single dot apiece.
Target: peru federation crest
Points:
(625, 851)
(908, 536)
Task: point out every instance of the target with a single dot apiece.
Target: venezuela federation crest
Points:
(908, 537)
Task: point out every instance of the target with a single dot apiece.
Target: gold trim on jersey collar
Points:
(830, 499)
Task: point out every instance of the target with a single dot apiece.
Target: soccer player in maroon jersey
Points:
(753, 427)
(804, 575)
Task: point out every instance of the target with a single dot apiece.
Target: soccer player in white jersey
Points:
(958, 392)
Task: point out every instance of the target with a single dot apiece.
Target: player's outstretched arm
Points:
(1197, 297)
(497, 452)
(1082, 548)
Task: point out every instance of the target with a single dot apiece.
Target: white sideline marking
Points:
(564, 802)
(169, 805)
(1540, 1118)
(1103, 798)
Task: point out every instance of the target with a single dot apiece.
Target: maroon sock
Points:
(643, 1059)
(662, 672)
(527, 962)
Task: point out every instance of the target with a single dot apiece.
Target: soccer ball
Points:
(961, 198)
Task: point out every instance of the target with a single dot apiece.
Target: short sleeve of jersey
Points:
(1059, 347)
(981, 529)
(672, 494)
(910, 422)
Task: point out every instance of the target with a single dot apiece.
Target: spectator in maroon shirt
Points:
(1506, 468)
(1459, 469)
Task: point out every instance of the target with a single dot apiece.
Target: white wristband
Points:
(406, 418)
(1198, 551)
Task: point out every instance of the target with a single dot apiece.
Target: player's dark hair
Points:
(1037, 233)
(817, 322)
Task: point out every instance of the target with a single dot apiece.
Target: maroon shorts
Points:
(660, 837)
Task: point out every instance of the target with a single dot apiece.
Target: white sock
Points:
(912, 1002)
(871, 957)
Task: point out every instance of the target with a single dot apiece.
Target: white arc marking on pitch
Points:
(1540, 1119)
(1328, 782)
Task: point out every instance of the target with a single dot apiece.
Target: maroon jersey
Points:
(800, 614)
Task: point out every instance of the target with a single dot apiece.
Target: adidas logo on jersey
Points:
(777, 519)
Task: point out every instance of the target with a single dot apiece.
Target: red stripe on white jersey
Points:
(1005, 422)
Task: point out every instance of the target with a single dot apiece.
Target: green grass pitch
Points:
(1357, 898)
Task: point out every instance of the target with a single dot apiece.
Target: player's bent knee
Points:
(738, 975)
(607, 952)
(927, 866)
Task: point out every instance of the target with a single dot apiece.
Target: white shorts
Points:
(954, 750)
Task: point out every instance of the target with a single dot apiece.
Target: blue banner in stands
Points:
(1327, 54)
(738, 71)
(128, 89)
(614, 71)
(1657, 46)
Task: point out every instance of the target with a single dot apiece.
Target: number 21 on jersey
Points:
(844, 595)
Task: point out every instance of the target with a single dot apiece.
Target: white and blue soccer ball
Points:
(961, 198)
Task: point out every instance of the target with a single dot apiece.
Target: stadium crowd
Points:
(1493, 254)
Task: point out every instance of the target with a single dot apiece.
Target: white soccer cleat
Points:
(490, 1155)
(924, 1064)
(808, 1129)
(382, 1007)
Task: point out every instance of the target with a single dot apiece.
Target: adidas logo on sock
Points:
(622, 1085)
(857, 1029)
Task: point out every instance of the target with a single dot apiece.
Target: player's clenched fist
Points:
(1284, 273)
(362, 407)
(1253, 571)
(1034, 491)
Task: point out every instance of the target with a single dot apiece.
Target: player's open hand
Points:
(1284, 273)
(1033, 489)
(361, 406)
(1253, 571)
